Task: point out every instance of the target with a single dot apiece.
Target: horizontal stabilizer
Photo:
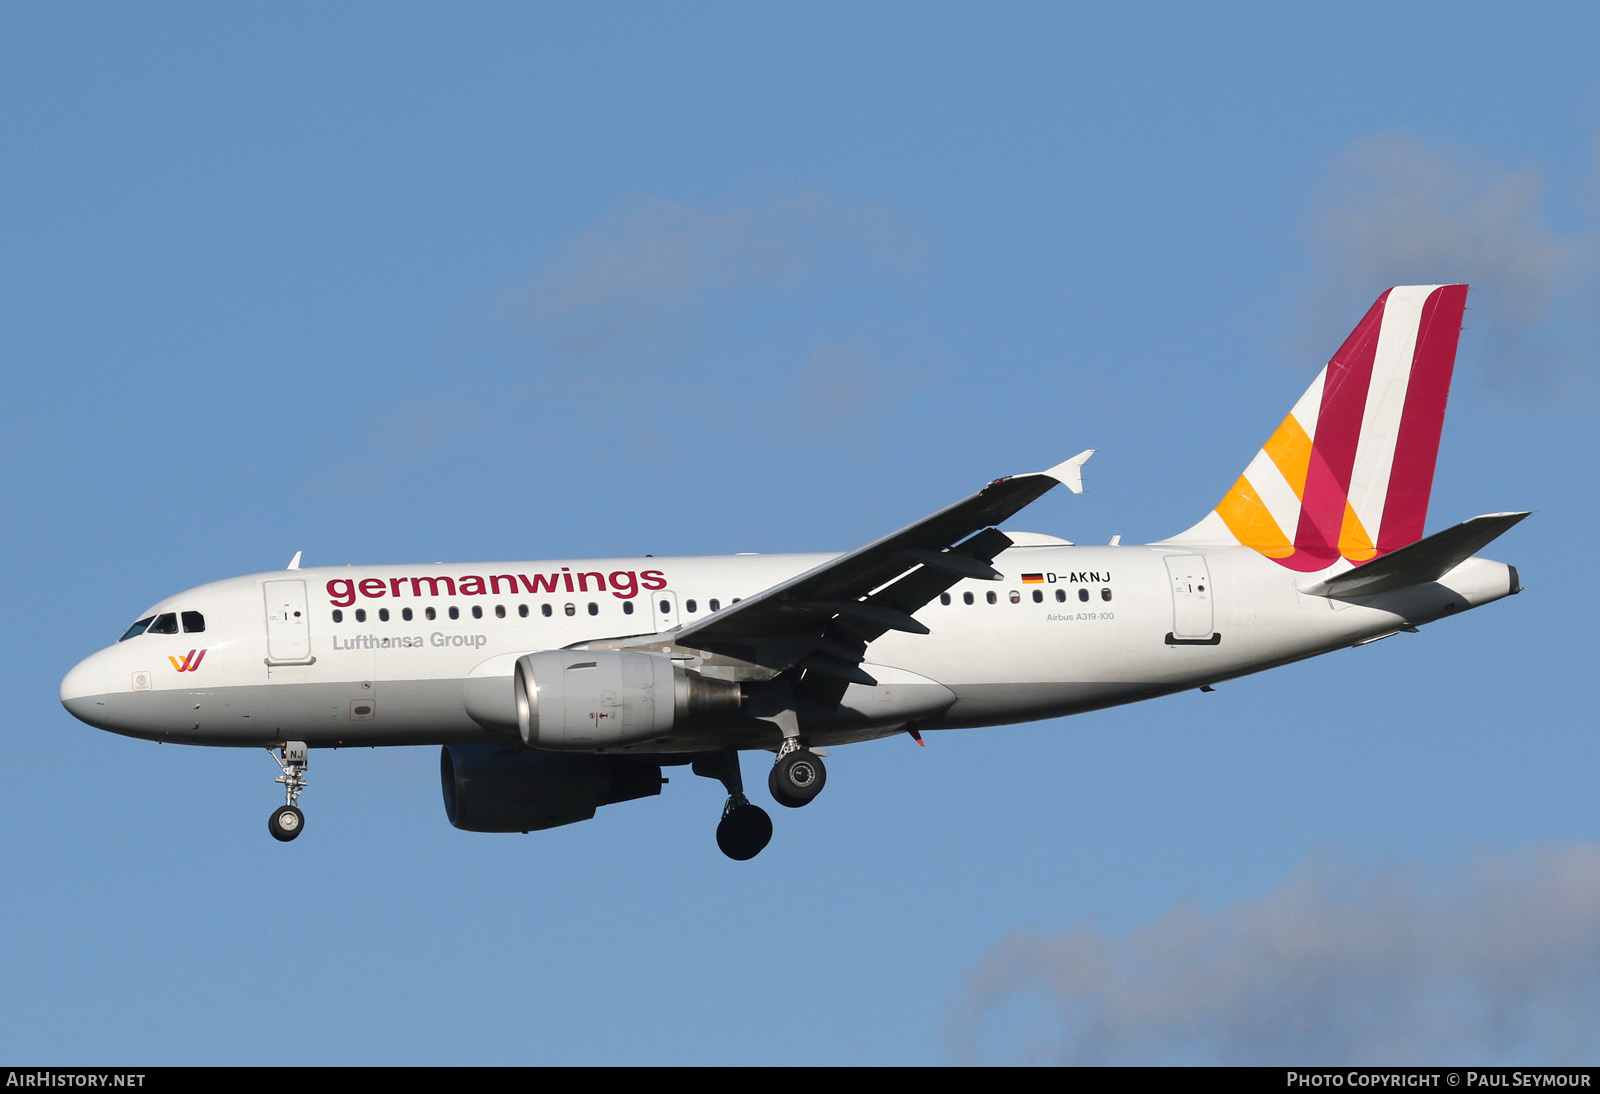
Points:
(1423, 561)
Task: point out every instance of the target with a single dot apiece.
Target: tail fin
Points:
(1348, 473)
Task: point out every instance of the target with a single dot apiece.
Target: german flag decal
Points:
(1033, 579)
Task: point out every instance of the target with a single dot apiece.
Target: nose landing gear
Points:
(287, 821)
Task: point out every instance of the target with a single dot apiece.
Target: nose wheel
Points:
(287, 821)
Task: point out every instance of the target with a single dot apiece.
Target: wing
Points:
(822, 620)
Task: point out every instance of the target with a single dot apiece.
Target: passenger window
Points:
(1016, 597)
(715, 604)
(138, 628)
(165, 624)
(1083, 595)
(522, 610)
(944, 598)
(990, 597)
(383, 615)
(361, 615)
(499, 611)
(1038, 596)
(477, 611)
(1105, 594)
(627, 607)
(193, 622)
(966, 598)
(594, 609)
(1061, 596)
(666, 607)
(544, 610)
(405, 613)
(338, 616)
(689, 606)
(428, 612)
(455, 612)
(571, 609)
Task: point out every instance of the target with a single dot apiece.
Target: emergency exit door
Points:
(1193, 620)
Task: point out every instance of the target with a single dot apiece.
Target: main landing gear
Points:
(797, 776)
(744, 829)
(287, 820)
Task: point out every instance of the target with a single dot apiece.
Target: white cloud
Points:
(1500, 962)
(1398, 212)
(650, 262)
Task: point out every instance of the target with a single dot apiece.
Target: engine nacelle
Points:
(494, 788)
(583, 700)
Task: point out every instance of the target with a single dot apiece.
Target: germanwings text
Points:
(622, 584)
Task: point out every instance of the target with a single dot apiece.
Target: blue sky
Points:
(397, 283)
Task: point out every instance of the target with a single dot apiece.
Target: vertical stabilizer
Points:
(1348, 473)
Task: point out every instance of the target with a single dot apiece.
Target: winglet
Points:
(1070, 473)
(294, 563)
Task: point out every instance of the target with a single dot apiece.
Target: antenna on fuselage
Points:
(294, 563)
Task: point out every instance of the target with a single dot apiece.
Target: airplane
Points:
(558, 687)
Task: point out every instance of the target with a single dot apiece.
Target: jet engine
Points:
(494, 788)
(584, 700)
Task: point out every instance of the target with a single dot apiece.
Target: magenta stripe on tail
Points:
(1405, 509)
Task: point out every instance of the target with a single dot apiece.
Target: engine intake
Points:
(583, 700)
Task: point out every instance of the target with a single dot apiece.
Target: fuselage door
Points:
(1192, 617)
(664, 609)
(288, 622)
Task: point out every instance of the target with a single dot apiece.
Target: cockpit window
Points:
(138, 628)
(166, 623)
(193, 622)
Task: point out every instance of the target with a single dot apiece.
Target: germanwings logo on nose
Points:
(190, 662)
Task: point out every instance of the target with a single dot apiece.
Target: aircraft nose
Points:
(83, 691)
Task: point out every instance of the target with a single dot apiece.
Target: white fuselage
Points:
(388, 655)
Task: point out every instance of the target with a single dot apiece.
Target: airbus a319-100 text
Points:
(555, 688)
